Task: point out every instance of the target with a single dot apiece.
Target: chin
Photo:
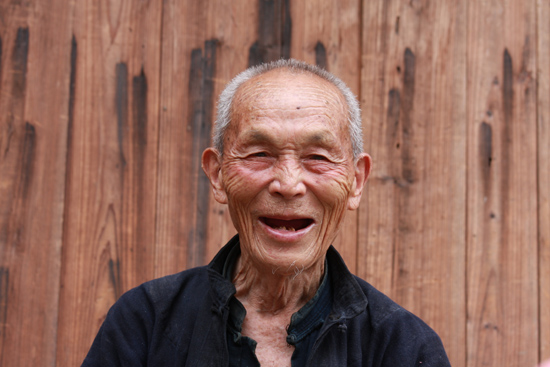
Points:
(287, 259)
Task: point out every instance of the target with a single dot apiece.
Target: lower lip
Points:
(285, 236)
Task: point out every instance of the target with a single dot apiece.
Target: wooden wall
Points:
(106, 106)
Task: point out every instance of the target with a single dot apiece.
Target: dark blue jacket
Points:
(180, 320)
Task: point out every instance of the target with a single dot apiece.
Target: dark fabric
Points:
(180, 320)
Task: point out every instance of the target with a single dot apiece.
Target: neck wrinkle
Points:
(271, 292)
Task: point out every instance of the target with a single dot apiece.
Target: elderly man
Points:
(288, 161)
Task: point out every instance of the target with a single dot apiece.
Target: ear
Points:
(362, 171)
(212, 166)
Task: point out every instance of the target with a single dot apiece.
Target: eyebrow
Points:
(323, 139)
(257, 136)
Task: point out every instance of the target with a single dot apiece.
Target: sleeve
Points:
(124, 336)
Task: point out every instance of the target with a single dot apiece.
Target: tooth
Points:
(288, 229)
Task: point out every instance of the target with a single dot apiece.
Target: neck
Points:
(262, 290)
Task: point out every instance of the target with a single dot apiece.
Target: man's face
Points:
(287, 171)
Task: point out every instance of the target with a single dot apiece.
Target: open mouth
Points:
(291, 225)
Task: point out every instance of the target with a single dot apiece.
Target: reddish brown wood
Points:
(543, 133)
(274, 32)
(111, 175)
(412, 221)
(33, 128)
(187, 94)
(502, 185)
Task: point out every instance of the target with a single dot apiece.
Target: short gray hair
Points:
(225, 100)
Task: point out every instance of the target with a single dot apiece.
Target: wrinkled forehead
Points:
(283, 89)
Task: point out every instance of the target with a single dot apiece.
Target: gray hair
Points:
(225, 100)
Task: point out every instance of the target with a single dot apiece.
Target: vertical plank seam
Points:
(537, 183)
(68, 165)
(158, 122)
(467, 193)
(359, 97)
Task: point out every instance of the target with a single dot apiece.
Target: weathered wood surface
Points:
(412, 220)
(34, 99)
(188, 75)
(107, 106)
(543, 171)
(502, 307)
(110, 204)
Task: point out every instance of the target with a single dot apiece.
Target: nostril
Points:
(288, 179)
(288, 187)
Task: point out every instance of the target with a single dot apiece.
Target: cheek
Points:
(239, 194)
(333, 189)
(241, 184)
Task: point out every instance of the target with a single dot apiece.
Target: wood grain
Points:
(502, 185)
(112, 165)
(543, 147)
(412, 220)
(33, 132)
(274, 32)
(187, 93)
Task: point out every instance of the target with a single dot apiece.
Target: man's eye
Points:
(259, 155)
(317, 157)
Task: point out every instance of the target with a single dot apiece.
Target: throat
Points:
(273, 293)
(270, 335)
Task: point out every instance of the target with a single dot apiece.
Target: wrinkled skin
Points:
(288, 176)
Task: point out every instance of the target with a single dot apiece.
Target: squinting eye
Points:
(259, 154)
(317, 157)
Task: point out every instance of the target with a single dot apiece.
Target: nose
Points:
(287, 179)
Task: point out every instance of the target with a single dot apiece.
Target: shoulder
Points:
(387, 317)
(147, 317)
(383, 310)
(151, 303)
(174, 286)
(395, 328)
(160, 293)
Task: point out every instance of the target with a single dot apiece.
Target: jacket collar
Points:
(348, 299)
(221, 289)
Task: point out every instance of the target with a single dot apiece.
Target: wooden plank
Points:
(274, 32)
(189, 62)
(328, 34)
(110, 211)
(502, 185)
(543, 133)
(412, 220)
(33, 130)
